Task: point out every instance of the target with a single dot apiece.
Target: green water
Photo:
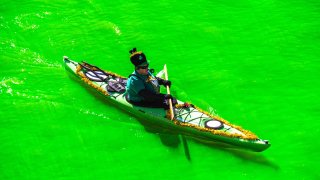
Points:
(255, 63)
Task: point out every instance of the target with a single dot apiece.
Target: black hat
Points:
(138, 58)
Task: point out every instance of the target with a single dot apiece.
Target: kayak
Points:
(186, 118)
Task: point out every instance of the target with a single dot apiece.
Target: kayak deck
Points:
(189, 120)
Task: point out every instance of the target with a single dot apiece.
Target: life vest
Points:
(151, 81)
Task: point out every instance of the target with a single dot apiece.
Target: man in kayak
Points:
(143, 88)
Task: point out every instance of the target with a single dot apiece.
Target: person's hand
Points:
(167, 83)
(167, 96)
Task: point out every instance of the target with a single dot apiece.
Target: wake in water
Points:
(7, 82)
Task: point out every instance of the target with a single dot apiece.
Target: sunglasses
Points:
(143, 67)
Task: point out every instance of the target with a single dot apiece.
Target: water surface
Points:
(253, 63)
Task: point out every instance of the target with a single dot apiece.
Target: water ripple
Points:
(6, 83)
(26, 21)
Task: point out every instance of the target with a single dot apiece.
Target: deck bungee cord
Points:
(214, 129)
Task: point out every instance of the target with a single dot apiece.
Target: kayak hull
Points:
(190, 121)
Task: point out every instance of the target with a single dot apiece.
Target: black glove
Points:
(167, 96)
(166, 83)
(173, 100)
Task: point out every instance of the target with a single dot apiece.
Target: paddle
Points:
(168, 92)
(184, 140)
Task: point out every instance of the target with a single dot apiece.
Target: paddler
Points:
(143, 88)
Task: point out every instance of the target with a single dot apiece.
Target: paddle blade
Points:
(160, 74)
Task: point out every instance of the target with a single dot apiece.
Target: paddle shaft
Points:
(184, 141)
(168, 92)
